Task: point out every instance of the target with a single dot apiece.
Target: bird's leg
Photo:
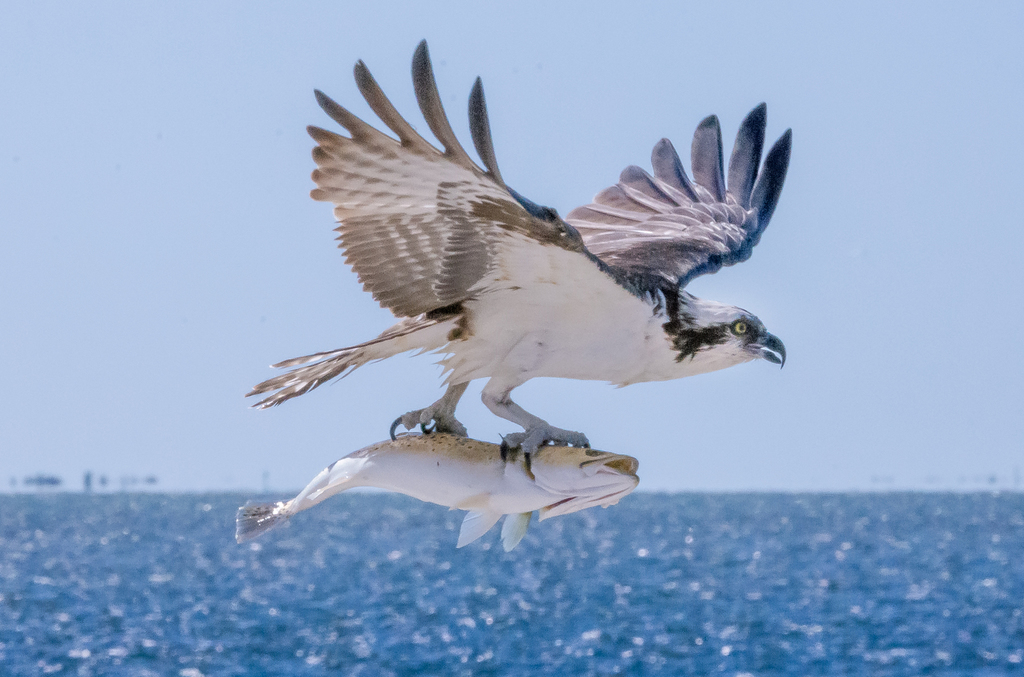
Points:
(536, 431)
(442, 413)
(508, 452)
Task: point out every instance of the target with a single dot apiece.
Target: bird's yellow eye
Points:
(739, 327)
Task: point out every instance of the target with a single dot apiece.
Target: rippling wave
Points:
(371, 584)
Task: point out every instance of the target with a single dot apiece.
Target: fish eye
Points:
(739, 327)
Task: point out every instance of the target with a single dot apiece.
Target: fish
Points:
(486, 479)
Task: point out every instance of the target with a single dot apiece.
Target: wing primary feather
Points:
(385, 110)
(480, 128)
(636, 178)
(323, 136)
(706, 157)
(769, 183)
(430, 104)
(746, 154)
(359, 130)
(651, 230)
(668, 168)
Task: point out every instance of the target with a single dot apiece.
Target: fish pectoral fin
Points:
(476, 524)
(514, 528)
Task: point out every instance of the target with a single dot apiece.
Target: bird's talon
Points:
(429, 421)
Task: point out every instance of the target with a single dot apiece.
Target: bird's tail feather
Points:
(422, 333)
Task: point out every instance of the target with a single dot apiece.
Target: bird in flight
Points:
(507, 289)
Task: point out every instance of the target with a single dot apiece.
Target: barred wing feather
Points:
(677, 229)
(418, 225)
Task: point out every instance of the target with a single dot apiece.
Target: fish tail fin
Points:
(254, 519)
(514, 528)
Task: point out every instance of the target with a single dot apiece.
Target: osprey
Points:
(506, 289)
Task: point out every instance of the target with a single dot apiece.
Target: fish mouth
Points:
(627, 465)
(603, 497)
(620, 464)
(587, 479)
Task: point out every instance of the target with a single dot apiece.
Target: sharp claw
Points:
(504, 450)
(428, 422)
(532, 441)
(394, 427)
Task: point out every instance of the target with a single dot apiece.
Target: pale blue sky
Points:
(160, 249)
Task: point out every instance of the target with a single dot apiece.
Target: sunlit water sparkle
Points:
(371, 584)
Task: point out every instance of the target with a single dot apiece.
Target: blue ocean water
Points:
(371, 584)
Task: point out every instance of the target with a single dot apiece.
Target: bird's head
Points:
(710, 336)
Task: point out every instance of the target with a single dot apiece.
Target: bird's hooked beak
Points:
(770, 348)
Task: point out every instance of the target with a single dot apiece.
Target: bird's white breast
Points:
(556, 314)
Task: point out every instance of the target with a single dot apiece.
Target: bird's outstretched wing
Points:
(671, 227)
(419, 226)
